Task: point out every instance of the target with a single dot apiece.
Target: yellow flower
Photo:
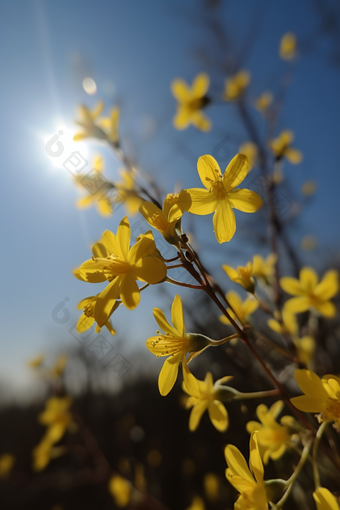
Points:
(309, 188)
(236, 85)
(166, 221)
(110, 125)
(287, 48)
(89, 122)
(242, 309)
(121, 490)
(320, 395)
(264, 101)
(127, 192)
(208, 398)
(308, 243)
(37, 361)
(196, 504)
(311, 294)
(6, 464)
(44, 452)
(220, 196)
(249, 482)
(305, 346)
(176, 344)
(59, 366)
(113, 260)
(57, 418)
(287, 324)
(190, 102)
(87, 319)
(272, 437)
(100, 189)
(281, 147)
(242, 275)
(264, 269)
(325, 500)
(211, 486)
(249, 149)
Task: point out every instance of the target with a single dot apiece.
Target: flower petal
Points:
(163, 323)
(88, 272)
(129, 291)
(182, 118)
(168, 374)
(106, 301)
(308, 404)
(84, 323)
(224, 222)
(218, 415)
(123, 237)
(328, 286)
(237, 463)
(236, 171)
(202, 201)
(326, 308)
(298, 304)
(200, 85)
(292, 286)
(325, 500)
(177, 315)
(245, 200)
(150, 270)
(209, 170)
(180, 90)
(293, 155)
(310, 383)
(196, 414)
(255, 462)
(308, 278)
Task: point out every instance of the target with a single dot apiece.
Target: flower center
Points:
(168, 345)
(217, 187)
(112, 265)
(159, 222)
(89, 309)
(332, 411)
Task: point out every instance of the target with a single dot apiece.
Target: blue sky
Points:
(133, 50)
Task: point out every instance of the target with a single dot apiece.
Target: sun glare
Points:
(64, 152)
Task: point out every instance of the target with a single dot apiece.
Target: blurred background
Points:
(55, 56)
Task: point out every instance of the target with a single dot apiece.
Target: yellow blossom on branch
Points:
(325, 500)
(6, 464)
(87, 319)
(220, 196)
(242, 275)
(208, 398)
(311, 294)
(248, 482)
(305, 346)
(110, 126)
(121, 490)
(264, 101)
(127, 192)
(166, 220)
(37, 361)
(176, 344)
(101, 186)
(241, 310)
(236, 85)
(57, 418)
(288, 45)
(113, 260)
(89, 122)
(320, 395)
(264, 268)
(250, 150)
(191, 101)
(281, 148)
(272, 437)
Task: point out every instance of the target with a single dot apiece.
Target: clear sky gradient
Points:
(133, 50)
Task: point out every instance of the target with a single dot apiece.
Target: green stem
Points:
(258, 394)
(291, 480)
(315, 451)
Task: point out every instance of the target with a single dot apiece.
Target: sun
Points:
(64, 152)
